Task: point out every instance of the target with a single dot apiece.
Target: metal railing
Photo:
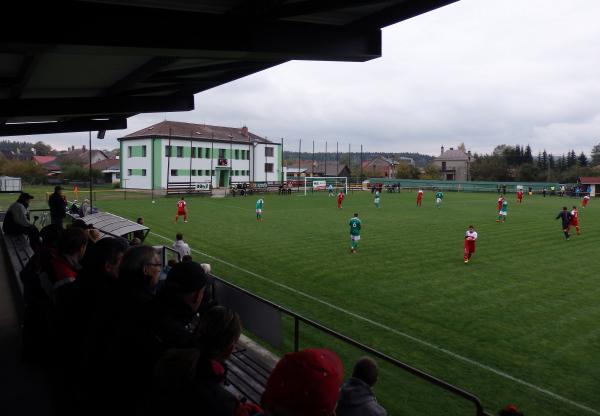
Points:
(454, 390)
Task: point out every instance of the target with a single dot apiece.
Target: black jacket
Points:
(58, 206)
(357, 399)
(566, 218)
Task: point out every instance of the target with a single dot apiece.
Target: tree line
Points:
(517, 163)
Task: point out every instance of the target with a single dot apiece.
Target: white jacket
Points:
(182, 248)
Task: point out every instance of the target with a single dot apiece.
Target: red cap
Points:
(307, 381)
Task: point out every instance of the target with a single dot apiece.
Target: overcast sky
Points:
(482, 72)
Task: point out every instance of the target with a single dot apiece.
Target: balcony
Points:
(222, 162)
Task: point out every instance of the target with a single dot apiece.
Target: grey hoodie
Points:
(357, 399)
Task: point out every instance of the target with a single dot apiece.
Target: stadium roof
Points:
(79, 65)
(180, 130)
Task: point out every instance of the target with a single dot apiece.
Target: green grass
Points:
(526, 306)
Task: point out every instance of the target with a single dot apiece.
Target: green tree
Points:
(431, 171)
(595, 155)
(30, 172)
(528, 172)
(490, 168)
(527, 156)
(407, 171)
(79, 173)
(582, 160)
(42, 149)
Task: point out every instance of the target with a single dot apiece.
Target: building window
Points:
(268, 167)
(144, 170)
(199, 153)
(128, 151)
(168, 151)
(193, 151)
(193, 172)
(144, 151)
(207, 153)
(118, 175)
(179, 151)
(222, 154)
(207, 172)
(443, 165)
(129, 173)
(268, 151)
(213, 172)
(173, 172)
(237, 154)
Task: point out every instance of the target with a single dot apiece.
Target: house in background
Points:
(110, 168)
(454, 164)
(592, 183)
(48, 163)
(318, 168)
(82, 156)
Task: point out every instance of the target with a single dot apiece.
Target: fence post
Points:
(296, 334)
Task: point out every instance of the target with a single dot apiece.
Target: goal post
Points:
(321, 183)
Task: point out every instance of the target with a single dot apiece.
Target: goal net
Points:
(323, 183)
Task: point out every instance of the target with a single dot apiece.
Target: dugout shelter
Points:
(112, 225)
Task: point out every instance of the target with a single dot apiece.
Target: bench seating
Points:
(18, 252)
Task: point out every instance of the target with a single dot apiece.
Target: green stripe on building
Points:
(156, 163)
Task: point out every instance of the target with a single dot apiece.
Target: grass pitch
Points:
(519, 324)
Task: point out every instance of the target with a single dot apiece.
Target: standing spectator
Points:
(16, 219)
(304, 383)
(565, 216)
(181, 246)
(356, 396)
(544, 192)
(58, 206)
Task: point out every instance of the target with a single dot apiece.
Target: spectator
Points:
(16, 219)
(65, 265)
(510, 410)
(139, 272)
(174, 312)
(181, 246)
(58, 206)
(356, 396)
(187, 257)
(135, 242)
(304, 383)
(191, 379)
(85, 208)
(139, 234)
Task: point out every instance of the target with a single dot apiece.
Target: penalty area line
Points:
(400, 333)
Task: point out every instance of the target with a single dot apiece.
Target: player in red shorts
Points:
(500, 200)
(470, 237)
(574, 219)
(181, 210)
(519, 196)
(585, 201)
(419, 197)
(340, 198)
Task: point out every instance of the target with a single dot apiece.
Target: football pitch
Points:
(518, 324)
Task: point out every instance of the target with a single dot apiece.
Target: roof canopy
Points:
(89, 65)
(113, 225)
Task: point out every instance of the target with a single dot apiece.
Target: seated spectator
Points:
(139, 273)
(510, 410)
(65, 264)
(304, 383)
(174, 312)
(181, 246)
(187, 257)
(135, 242)
(190, 379)
(139, 234)
(356, 396)
(85, 208)
(16, 220)
(74, 208)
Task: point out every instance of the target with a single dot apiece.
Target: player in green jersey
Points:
(355, 226)
(439, 195)
(503, 210)
(259, 207)
(377, 199)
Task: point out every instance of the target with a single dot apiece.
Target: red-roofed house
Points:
(592, 183)
(49, 163)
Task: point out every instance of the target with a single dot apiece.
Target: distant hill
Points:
(420, 159)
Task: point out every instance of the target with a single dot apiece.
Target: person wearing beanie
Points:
(510, 410)
(356, 396)
(304, 383)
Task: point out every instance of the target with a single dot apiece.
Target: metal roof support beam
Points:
(22, 129)
(403, 11)
(64, 107)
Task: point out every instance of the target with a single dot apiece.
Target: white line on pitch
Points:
(402, 334)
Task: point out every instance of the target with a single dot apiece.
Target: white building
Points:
(175, 152)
